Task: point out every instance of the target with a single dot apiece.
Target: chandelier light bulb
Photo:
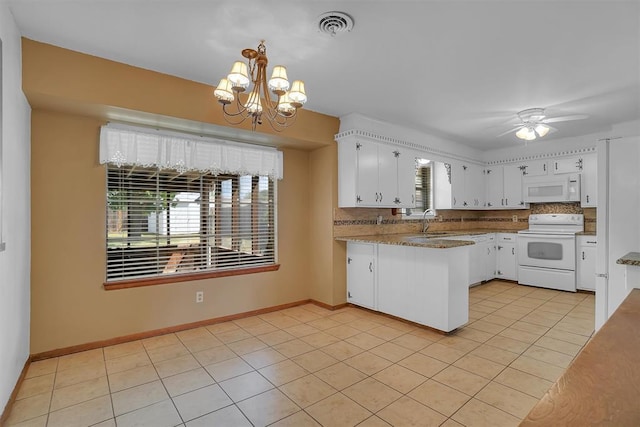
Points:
(239, 75)
(284, 106)
(254, 105)
(224, 92)
(278, 82)
(526, 133)
(297, 94)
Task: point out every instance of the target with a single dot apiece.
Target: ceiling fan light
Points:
(541, 129)
(224, 92)
(239, 75)
(526, 133)
(297, 94)
(278, 82)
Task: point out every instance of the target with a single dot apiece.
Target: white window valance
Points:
(128, 145)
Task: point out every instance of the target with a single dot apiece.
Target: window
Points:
(162, 222)
(423, 189)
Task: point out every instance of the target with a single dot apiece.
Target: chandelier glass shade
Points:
(531, 131)
(259, 104)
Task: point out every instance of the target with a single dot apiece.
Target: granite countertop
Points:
(419, 239)
(434, 239)
(632, 258)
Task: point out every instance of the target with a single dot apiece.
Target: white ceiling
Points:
(456, 69)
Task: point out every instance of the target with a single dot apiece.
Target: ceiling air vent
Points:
(333, 23)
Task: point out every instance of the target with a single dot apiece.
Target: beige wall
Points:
(69, 304)
(72, 96)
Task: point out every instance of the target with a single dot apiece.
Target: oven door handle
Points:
(542, 237)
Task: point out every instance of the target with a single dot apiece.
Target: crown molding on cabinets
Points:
(441, 154)
(543, 156)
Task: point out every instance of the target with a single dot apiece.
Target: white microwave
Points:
(551, 188)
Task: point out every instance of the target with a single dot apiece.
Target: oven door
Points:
(547, 250)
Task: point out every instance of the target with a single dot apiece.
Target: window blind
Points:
(163, 222)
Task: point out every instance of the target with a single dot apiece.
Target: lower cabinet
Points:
(424, 285)
(586, 262)
(361, 277)
(506, 256)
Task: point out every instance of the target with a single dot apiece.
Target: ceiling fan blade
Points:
(565, 118)
(515, 129)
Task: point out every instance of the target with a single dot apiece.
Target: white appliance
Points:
(547, 251)
(551, 188)
(618, 222)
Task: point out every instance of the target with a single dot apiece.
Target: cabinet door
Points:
(406, 191)
(513, 187)
(495, 182)
(387, 175)
(586, 267)
(589, 184)
(535, 168)
(442, 197)
(506, 261)
(361, 274)
(474, 186)
(457, 186)
(394, 280)
(367, 174)
(490, 259)
(477, 260)
(567, 165)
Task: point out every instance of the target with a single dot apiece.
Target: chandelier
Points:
(279, 112)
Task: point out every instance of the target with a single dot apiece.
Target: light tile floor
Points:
(307, 366)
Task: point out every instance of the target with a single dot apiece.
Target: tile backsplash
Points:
(372, 221)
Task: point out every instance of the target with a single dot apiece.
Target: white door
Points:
(513, 186)
(387, 175)
(494, 187)
(618, 222)
(367, 174)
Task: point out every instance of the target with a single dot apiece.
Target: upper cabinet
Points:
(535, 168)
(459, 186)
(589, 184)
(504, 187)
(373, 174)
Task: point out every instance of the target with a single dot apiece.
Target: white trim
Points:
(131, 145)
(403, 143)
(543, 156)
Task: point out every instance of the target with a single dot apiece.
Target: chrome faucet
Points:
(425, 222)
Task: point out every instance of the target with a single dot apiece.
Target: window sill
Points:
(176, 278)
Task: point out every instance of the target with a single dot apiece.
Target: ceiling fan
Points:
(535, 124)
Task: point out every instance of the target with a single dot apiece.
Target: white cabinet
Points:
(504, 187)
(566, 165)
(424, 285)
(506, 256)
(373, 174)
(489, 248)
(589, 182)
(586, 262)
(467, 186)
(361, 274)
(535, 168)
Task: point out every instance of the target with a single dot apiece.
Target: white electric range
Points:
(547, 251)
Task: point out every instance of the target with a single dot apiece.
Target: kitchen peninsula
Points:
(417, 277)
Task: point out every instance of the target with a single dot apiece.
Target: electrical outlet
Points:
(514, 218)
(199, 296)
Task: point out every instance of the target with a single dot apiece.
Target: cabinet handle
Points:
(380, 197)
(587, 198)
(513, 251)
(376, 196)
(371, 267)
(488, 251)
(502, 202)
(454, 201)
(556, 165)
(348, 260)
(349, 294)
(583, 255)
(499, 247)
(544, 167)
(506, 202)
(594, 242)
(413, 199)
(489, 204)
